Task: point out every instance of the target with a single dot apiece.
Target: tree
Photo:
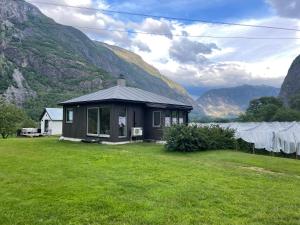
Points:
(11, 118)
(257, 105)
(262, 109)
(294, 102)
(286, 115)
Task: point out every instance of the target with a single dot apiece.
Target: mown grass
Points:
(45, 181)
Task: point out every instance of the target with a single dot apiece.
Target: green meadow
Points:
(46, 181)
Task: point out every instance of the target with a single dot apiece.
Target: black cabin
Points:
(121, 114)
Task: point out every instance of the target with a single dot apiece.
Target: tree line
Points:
(271, 109)
(12, 119)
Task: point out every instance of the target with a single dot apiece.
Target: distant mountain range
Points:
(43, 63)
(230, 102)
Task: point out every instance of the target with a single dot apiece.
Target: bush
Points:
(11, 118)
(191, 138)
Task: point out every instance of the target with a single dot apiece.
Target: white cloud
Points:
(185, 50)
(228, 62)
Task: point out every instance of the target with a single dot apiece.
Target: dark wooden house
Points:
(120, 114)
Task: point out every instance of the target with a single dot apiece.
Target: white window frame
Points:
(124, 136)
(153, 125)
(67, 110)
(174, 117)
(87, 122)
(98, 123)
(180, 118)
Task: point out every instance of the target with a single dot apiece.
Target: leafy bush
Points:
(11, 118)
(191, 138)
(286, 114)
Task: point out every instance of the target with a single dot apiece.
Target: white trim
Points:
(87, 122)
(92, 135)
(69, 121)
(62, 138)
(99, 132)
(104, 135)
(98, 122)
(120, 142)
(153, 125)
(115, 143)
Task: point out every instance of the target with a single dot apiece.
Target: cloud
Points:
(141, 46)
(226, 74)
(195, 61)
(161, 26)
(184, 50)
(286, 8)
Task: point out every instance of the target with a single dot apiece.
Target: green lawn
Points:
(45, 181)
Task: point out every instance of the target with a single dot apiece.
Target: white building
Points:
(51, 121)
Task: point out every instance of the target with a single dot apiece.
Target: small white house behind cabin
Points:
(51, 121)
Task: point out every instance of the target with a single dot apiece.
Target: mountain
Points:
(43, 63)
(230, 102)
(291, 83)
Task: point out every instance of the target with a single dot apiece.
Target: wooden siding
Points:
(143, 118)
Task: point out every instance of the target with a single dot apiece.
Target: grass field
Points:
(45, 181)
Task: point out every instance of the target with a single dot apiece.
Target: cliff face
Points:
(230, 102)
(42, 62)
(291, 83)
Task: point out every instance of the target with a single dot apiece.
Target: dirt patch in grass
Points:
(261, 170)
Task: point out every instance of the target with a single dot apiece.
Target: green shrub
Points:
(191, 138)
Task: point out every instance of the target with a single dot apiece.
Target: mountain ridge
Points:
(291, 83)
(230, 102)
(44, 62)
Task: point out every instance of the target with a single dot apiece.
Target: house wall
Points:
(143, 118)
(55, 127)
(156, 133)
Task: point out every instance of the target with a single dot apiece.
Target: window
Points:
(69, 115)
(92, 121)
(122, 122)
(104, 121)
(156, 119)
(180, 117)
(98, 122)
(174, 117)
(167, 119)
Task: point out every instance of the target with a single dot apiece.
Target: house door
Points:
(46, 126)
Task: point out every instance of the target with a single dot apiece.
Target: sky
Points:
(197, 63)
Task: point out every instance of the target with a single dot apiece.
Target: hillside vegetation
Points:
(45, 181)
(43, 63)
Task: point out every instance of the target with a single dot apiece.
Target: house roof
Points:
(54, 113)
(124, 93)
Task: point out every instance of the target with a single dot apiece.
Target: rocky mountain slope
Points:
(291, 83)
(42, 62)
(230, 102)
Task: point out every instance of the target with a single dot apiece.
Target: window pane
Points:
(122, 122)
(167, 121)
(93, 121)
(167, 118)
(156, 119)
(180, 117)
(174, 117)
(105, 121)
(69, 115)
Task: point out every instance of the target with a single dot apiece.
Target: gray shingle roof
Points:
(55, 113)
(125, 94)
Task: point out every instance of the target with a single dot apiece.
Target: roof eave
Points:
(124, 100)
